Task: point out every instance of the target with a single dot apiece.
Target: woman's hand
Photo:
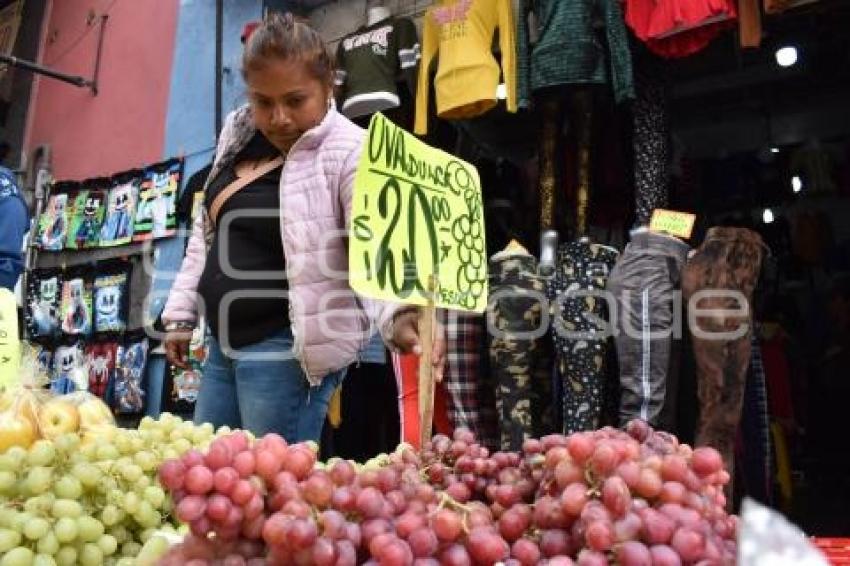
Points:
(177, 347)
(406, 339)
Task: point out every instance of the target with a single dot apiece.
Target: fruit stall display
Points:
(82, 491)
(637, 497)
(77, 490)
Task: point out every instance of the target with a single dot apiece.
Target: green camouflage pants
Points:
(519, 359)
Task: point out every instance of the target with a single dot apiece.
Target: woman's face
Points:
(286, 100)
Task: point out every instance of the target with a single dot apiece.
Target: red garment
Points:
(778, 377)
(407, 377)
(678, 28)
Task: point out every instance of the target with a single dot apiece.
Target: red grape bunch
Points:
(634, 497)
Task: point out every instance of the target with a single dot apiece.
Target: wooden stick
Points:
(426, 368)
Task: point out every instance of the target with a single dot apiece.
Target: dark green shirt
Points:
(571, 49)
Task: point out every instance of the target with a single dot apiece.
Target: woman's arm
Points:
(182, 304)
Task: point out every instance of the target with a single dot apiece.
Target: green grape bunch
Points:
(76, 500)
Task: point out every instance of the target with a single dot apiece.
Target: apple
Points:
(16, 431)
(93, 413)
(58, 417)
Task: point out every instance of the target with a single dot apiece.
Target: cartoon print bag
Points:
(111, 292)
(76, 306)
(128, 396)
(44, 291)
(86, 215)
(100, 359)
(156, 215)
(53, 224)
(69, 369)
(117, 227)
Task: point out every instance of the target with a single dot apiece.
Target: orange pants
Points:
(407, 378)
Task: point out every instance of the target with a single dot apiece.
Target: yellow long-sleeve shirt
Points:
(461, 32)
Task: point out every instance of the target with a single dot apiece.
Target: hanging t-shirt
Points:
(76, 306)
(370, 63)
(128, 396)
(69, 372)
(461, 33)
(44, 289)
(100, 359)
(53, 224)
(117, 227)
(156, 213)
(111, 299)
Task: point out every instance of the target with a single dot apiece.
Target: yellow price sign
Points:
(671, 222)
(10, 353)
(416, 212)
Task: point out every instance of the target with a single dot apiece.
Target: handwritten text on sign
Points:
(417, 211)
(679, 224)
(10, 354)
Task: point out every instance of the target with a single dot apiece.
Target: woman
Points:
(285, 323)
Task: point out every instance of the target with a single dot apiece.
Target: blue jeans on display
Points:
(262, 388)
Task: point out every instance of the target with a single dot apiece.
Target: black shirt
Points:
(251, 242)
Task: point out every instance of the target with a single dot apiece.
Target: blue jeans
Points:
(248, 389)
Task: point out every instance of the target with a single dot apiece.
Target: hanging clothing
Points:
(729, 259)
(370, 63)
(754, 449)
(651, 138)
(580, 330)
(517, 298)
(464, 334)
(569, 50)
(644, 283)
(461, 33)
(678, 28)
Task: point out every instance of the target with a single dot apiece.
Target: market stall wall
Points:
(123, 125)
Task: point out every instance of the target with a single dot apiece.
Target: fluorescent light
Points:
(767, 216)
(796, 184)
(501, 91)
(786, 56)
(774, 150)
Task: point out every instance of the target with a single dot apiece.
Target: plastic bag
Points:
(20, 404)
(766, 538)
(29, 412)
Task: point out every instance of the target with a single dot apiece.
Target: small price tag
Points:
(679, 224)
